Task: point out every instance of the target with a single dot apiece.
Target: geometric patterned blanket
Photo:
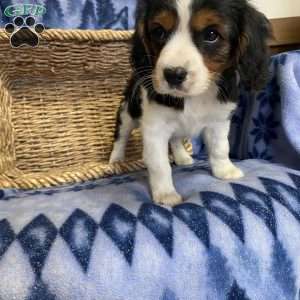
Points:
(106, 239)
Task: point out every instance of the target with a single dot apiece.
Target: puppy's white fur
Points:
(203, 113)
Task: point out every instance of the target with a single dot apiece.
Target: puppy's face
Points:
(191, 48)
(191, 42)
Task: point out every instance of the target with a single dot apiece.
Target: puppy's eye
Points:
(211, 36)
(159, 33)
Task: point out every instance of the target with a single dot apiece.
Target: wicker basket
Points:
(58, 104)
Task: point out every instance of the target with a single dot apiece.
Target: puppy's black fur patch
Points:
(228, 86)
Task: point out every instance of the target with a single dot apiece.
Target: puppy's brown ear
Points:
(253, 56)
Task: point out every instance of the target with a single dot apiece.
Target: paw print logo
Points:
(24, 32)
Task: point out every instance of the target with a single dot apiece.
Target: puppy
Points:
(188, 59)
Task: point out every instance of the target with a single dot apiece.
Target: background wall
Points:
(278, 8)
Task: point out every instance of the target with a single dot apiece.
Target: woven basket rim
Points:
(79, 35)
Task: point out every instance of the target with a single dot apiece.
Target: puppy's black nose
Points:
(175, 76)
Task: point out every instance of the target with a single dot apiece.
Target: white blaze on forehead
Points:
(181, 51)
(184, 13)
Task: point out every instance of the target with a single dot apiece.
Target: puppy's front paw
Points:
(227, 172)
(116, 157)
(169, 199)
(113, 160)
(183, 160)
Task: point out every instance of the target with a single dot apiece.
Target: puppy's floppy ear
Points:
(253, 58)
(140, 54)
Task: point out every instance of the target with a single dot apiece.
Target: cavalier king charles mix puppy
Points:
(188, 58)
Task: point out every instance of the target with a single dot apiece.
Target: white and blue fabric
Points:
(106, 240)
(267, 124)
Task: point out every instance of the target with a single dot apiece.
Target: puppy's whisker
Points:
(144, 67)
(142, 71)
(138, 84)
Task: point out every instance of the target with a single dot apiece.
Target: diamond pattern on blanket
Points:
(258, 203)
(284, 194)
(283, 265)
(238, 269)
(160, 222)
(194, 216)
(218, 272)
(36, 240)
(79, 232)
(40, 291)
(120, 225)
(7, 236)
(296, 180)
(226, 209)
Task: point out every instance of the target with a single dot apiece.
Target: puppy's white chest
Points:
(200, 112)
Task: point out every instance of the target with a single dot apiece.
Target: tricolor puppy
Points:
(188, 59)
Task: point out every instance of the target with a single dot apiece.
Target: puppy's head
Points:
(181, 47)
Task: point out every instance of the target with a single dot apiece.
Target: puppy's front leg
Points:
(160, 173)
(216, 140)
(181, 156)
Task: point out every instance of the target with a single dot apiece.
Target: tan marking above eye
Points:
(205, 18)
(166, 19)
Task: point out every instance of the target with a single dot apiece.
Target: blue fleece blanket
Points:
(267, 123)
(106, 239)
